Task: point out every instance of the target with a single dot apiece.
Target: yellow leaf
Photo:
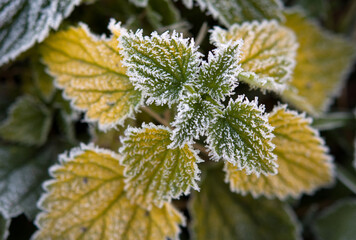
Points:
(323, 62)
(155, 172)
(90, 71)
(268, 52)
(304, 164)
(86, 200)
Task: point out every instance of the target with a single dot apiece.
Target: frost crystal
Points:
(193, 118)
(87, 193)
(160, 65)
(155, 174)
(94, 80)
(268, 53)
(218, 76)
(243, 137)
(236, 11)
(25, 22)
(303, 159)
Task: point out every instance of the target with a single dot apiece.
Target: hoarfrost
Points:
(25, 22)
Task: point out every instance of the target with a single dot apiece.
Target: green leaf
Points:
(334, 120)
(156, 174)
(219, 214)
(193, 118)
(4, 226)
(268, 53)
(236, 11)
(218, 76)
(90, 72)
(25, 22)
(42, 80)
(243, 137)
(160, 65)
(304, 164)
(22, 171)
(86, 200)
(162, 13)
(337, 222)
(323, 63)
(28, 122)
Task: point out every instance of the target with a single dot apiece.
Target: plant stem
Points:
(201, 35)
(156, 116)
(201, 148)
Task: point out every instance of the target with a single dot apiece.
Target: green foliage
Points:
(243, 137)
(237, 11)
(27, 22)
(4, 224)
(244, 218)
(155, 174)
(29, 122)
(165, 101)
(337, 221)
(22, 170)
(160, 66)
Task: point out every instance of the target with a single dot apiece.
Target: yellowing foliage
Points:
(156, 173)
(268, 52)
(323, 61)
(89, 70)
(304, 164)
(86, 200)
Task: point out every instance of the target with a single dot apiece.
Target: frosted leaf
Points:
(160, 65)
(217, 213)
(86, 200)
(323, 63)
(304, 164)
(140, 3)
(28, 122)
(188, 3)
(268, 53)
(89, 70)
(218, 76)
(243, 137)
(4, 226)
(193, 118)
(155, 173)
(22, 171)
(236, 11)
(25, 22)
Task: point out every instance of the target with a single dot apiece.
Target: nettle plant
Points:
(199, 132)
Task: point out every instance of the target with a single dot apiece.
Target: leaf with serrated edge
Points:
(22, 171)
(193, 118)
(4, 226)
(25, 22)
(89, 70)
(86, 200)
(28, 123)
(243, 137)
(160, 65)
(217, 213)
(268, 53)
(155, 173)
(236, 11)
(304, 164)
(323, 63)
(218, 76)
